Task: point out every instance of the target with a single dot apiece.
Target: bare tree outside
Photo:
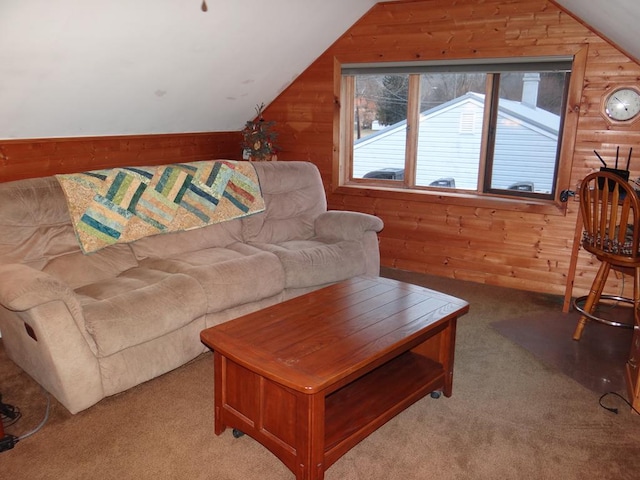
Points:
(438, 88)
(368, 94)
(392, 107)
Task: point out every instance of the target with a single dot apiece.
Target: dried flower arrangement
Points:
(258, 138)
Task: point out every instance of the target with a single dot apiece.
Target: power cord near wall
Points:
(613, 409)
(9, 415)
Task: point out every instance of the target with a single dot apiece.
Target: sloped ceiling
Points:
(617, 20)
(102, 67)
(107, 67)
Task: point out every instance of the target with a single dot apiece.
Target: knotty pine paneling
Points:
(444, 235)
(439, 235)
(41, 157)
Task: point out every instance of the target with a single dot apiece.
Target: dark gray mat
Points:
(597, 361)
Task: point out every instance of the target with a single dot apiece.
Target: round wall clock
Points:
(622, 105)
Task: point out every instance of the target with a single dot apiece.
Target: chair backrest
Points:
(610, 210)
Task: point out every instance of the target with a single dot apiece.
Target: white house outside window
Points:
(492, 127)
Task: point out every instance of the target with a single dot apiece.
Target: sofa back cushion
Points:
(294, 196)
(35, 226)
(36, 230)
(172, 244)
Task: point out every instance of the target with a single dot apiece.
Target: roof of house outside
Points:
(537, 117)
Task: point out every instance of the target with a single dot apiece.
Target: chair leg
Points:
(593, 298)
(636, 296)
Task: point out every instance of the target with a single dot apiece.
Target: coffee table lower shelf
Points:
(361, 407)
(305, 430)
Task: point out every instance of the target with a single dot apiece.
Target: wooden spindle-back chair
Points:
(610, 210)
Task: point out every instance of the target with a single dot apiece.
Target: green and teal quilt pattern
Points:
(120, 205)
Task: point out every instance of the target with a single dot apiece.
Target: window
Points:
(492, 127)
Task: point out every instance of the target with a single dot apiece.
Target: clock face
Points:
(623, 104)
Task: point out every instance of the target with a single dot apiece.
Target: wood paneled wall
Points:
(523, 249)
(520, 249)
(41, 157)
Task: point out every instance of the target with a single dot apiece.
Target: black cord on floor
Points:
(613, 409)
(9, 411)
(9, 414)
(8, 421)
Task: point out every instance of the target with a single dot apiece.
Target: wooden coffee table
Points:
(311, 377)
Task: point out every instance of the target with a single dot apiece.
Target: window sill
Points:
(475, 200)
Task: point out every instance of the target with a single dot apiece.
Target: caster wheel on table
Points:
(436, 394)
(237, 433)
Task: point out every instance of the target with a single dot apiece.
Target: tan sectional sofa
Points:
(86, 326)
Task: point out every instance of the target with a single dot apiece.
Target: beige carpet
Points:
(510, 417)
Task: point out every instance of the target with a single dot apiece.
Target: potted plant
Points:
(258, 138)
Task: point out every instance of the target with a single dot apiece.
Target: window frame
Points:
(343, 183)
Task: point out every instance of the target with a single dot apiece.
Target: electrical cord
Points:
(9, 441)
(613, 409)
(9, 414)
(44, 420)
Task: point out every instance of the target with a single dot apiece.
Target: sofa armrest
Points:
(43, 332)
(344, 225)
(25, 288)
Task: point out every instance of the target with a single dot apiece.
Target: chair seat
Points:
(610, 243)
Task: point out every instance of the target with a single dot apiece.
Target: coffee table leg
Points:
(448, 360)
(218, 427)
(310, 437)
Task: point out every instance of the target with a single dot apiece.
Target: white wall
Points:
(103, 67)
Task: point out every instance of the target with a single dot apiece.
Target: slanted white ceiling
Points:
(101, 67)
(616, 20)
(109, 67)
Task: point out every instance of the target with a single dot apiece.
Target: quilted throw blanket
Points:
(120, 205)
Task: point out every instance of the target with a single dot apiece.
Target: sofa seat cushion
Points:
(309, 263)
(139, 305)
(230, 276)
